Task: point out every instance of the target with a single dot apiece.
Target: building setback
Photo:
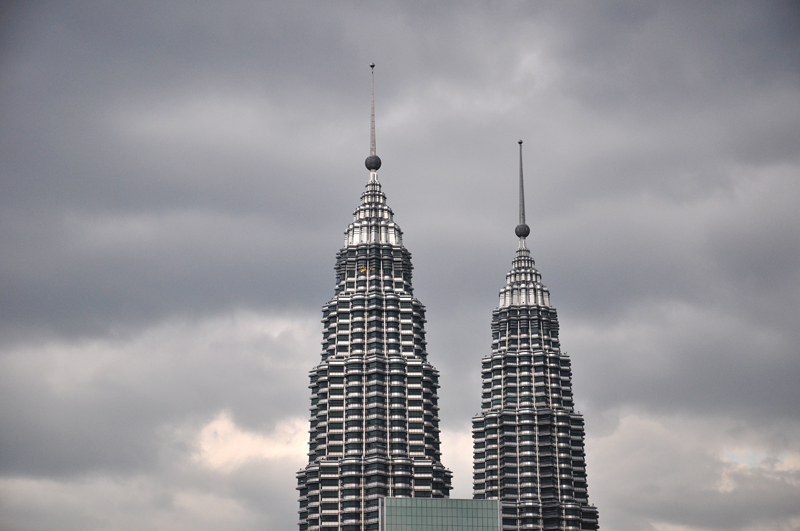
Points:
(374, 408)
(528, 440)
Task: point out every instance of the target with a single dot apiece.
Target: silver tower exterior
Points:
(528, 440)
(374, 406)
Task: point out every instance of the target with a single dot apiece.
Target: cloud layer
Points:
(175, 180)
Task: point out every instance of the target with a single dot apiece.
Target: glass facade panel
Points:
(414, 514)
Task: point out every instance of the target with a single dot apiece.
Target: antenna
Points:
(522, 230)
(373, 162)
(372, 121)
(521, 189)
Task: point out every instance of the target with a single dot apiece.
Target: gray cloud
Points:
(175, 180)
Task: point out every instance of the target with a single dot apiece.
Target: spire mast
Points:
(522, 230)
(372, 116)
(521, 189)
(373, 162)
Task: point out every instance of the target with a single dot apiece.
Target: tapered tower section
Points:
(528, 440)
(374, 406)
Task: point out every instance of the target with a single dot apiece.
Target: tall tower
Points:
(374, 406)
(528, 440)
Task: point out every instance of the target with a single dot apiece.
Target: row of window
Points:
(521, 360)
(532, 418)
(372, 302)
(374, 364)
(371, 365)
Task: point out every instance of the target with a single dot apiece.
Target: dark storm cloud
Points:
(175, 180)
(74, 273)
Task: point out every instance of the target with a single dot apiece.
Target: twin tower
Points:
(374, 433)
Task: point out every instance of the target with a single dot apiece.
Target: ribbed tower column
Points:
(374, 405)
(528, 440)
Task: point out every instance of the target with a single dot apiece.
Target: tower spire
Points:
(522, 230)
(372, 115)
(373, 162)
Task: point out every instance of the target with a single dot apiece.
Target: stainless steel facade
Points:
(528, 440)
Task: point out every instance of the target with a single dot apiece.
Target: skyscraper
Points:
(374, 407)
(528, 440)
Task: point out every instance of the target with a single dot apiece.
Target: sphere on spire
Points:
(373, 163)
(522, 230)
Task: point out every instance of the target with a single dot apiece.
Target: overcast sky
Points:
(176, 177)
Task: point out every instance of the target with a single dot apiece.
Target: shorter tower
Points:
(528, 440)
